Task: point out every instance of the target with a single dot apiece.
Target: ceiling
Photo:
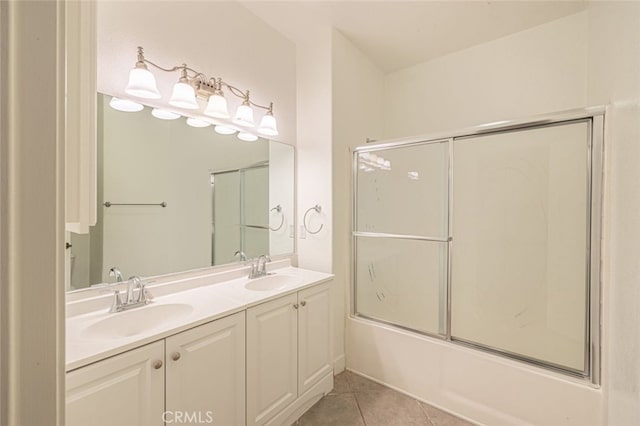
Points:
(398, 34)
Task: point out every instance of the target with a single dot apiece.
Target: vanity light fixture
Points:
(125, 105)
(193, 84)
(196, 122)
(163, 114)
(247, 137)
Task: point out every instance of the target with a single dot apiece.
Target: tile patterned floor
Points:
(357, 401)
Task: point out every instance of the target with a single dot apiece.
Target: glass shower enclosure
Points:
(487, 238)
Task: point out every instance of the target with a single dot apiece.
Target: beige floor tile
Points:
(442, 418)
(390, 408)
(341, 384)
(362, 384)
(333, 410)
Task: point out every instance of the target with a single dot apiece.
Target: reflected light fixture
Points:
(247, 137)
(125, 105)
(224, 130)
(163, 114)
(193, 85)
(196, 122)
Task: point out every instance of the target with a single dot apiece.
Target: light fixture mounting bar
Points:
(204, 87)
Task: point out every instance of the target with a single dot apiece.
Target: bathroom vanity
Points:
(215, 349)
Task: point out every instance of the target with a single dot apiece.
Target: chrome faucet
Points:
(259, 269)
(143, 298)
(115, 272)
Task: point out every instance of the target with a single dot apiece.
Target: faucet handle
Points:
(117, 302)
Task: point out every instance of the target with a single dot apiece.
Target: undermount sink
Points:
(271, 282)
(137, 320)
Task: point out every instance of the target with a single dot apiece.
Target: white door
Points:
(314, 334)
(272, 358)
(206, 373)
(125, 390)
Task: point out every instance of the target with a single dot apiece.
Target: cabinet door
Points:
(125, 390)
(272, 358)
(206, 372)
(314, 334)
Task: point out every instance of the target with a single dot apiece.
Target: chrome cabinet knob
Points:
(157, 365)
(175, 356)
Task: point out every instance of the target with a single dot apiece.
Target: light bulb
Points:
(142, 83)
(196, 122)
(268, 125)
(163, 114)
(244, 115)
(125, 105)
(247, 137)
(183, 96)
(217, 106)
(224, 130)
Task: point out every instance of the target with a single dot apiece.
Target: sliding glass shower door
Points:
(521, 237)
(401, 236)
(488, 239)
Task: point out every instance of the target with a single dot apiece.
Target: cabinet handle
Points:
(175, 356)
(295, 306)
(157, 365)
(303, 303)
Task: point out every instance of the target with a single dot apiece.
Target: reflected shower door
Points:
(401, 235)
(519, 281)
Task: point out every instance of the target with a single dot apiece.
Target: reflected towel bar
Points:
(109, 204)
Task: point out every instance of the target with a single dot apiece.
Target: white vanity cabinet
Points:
(206, 372)
(127, 389)
(198, 374)
(288, 352)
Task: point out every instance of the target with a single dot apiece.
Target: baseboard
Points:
(300, 406)
(339, 364)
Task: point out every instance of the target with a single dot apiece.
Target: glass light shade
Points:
(268, 125)
(217, 107)
(244, 116)
(125, 105)
(163, 114)
(247, 137)
(142, 84)
(224, 130)
(195, 122)
(183, 96)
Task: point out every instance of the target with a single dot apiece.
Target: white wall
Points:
(536, 71)
(356, 115)
(540, 70)
(314, 181)
(614, 79)
(219, 38)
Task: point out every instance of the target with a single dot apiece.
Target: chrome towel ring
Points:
(278, 209)
(318, 209)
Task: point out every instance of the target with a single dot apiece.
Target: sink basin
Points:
(137, 321)
(271, 282)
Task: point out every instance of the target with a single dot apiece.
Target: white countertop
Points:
(203, 302)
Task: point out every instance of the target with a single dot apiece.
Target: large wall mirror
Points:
(173, 198)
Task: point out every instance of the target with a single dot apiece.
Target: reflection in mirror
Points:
(221, 195)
